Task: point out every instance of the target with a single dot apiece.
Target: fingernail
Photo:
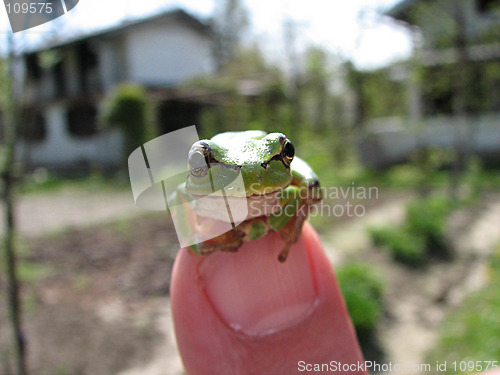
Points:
(255, 293)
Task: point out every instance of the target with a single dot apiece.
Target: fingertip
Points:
(229, 309)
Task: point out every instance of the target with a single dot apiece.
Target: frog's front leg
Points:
(296, 203)
(289, 219)
(291, 232)
(230, 241)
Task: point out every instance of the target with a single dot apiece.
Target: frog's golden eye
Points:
(288, 152)
(198, 161)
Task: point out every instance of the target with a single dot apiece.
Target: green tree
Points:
(318, 77)
(452, 82)
(129, 109)
(10, 109)
(230, 21)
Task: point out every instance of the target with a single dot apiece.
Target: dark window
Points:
(87, 61)
(174, 114)
(33, 127)
(33, 70)
(485, 6)
(59, 79)
(82, 120)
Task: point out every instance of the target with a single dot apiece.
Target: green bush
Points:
(407, 248)
(129, 109)
(422, 234)
(403, 245)
(402, 176)
(362, 288)
(427, 216)
(381, 235)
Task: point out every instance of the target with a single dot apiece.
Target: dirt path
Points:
(348, 237)
(48, 212)
(417, 301)
(166, 360)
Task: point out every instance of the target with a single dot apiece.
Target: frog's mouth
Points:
(237, 209)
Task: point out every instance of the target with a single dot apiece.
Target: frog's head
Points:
(262, 159)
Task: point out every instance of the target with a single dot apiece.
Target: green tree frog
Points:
(278, 191)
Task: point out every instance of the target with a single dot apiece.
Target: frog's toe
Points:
(284, 253)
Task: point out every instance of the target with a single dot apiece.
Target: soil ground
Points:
(96, 295)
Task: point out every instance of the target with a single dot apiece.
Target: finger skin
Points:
(209, 346)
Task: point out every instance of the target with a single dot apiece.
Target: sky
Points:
(350, 29)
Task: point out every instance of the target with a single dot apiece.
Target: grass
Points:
(30, 272)
(27, 271)
(472, 332)
(427, 216)
(404, 246)
(41, 181)
(409, 176)
(362, 288)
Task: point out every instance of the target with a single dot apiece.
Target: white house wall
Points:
(59, 148)
(166, 54)
(112, 66)
(162, 52)
(391, 141)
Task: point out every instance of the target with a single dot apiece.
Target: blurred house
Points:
(455, 42)
(65, 83)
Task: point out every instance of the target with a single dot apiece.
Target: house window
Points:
(175, 114)
(59, 79)
(82, 120)
(486, 6)
(87, 62)
(33, 127)
(33, 70)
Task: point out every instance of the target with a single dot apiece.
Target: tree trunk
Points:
(8, 177)
(460, 98)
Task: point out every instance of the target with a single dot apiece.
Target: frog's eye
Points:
(288, 151)
(197, 160)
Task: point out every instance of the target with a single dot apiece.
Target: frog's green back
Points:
(252, 153)
(246, 147)
(243, 136)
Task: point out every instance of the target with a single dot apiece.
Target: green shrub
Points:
(380, 235)
(129, 108)
(402, 176)
(362, 289)
(427, 216)
(407, 248)
(403, 245)
(422, 234)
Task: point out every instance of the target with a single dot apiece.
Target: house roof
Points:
(176, 14)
